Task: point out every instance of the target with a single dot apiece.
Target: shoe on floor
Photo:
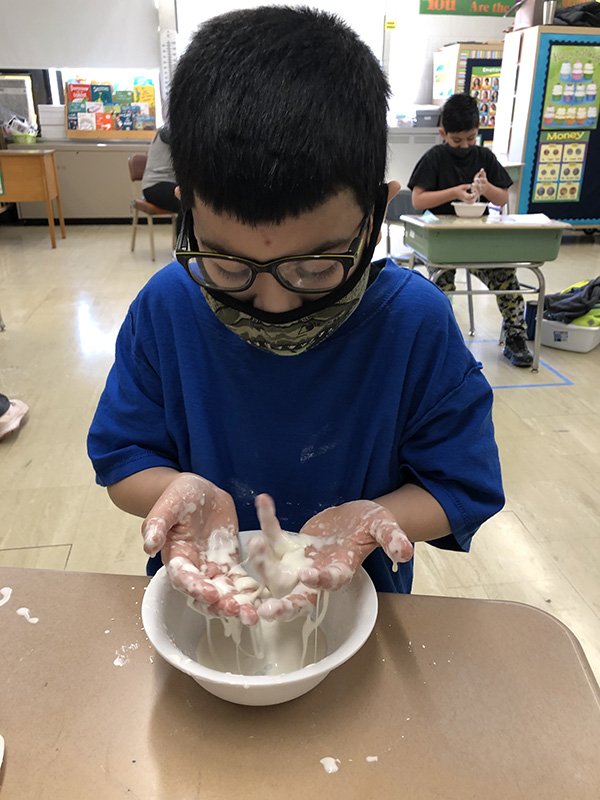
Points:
(12, 418)
(516, 350)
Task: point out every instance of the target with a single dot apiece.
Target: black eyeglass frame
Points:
(184, 255)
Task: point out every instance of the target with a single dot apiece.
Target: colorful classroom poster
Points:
(571, 97)
(560, 166)
(484, 88)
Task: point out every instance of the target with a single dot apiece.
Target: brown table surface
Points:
(458, 699)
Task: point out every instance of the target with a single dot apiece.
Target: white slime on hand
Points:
(271, 647)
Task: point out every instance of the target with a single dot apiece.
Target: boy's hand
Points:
(481, 182)
(194, 524)
(343, 536)
(464, 193)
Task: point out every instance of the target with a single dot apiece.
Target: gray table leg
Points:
(537, 341)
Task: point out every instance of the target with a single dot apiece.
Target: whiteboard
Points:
(366, 18)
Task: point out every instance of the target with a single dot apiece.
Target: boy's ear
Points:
(178, 193)
(442, 133)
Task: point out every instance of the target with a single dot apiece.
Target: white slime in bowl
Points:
(271, 647)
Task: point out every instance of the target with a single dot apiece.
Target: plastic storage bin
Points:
(569, 337)
(576, 338)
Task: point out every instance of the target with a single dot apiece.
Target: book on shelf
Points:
(145, 123)
(72, 120)
(77, 106)
(93, 107)
(79, 91)
(141, 109)
(144, 94)
(102, 92)
(104, 122)
(124, 97)
(86, 122)
(124, 121)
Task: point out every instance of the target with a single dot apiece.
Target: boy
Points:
(448, 172)
(284, 361)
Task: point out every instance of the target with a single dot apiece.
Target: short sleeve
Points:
(425, 174)
(451, 452)
(129, 431)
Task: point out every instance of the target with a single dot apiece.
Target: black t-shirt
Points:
(439, 169)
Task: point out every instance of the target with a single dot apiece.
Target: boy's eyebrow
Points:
(333, 246)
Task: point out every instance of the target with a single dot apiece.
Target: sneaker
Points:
(12, 418)
(516, 350)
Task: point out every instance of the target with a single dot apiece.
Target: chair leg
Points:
(174, 232)
(134, 229)
(2, 325)
(470, 304)
(151, 232)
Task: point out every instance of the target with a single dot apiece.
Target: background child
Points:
(274, 357)
(458, 170)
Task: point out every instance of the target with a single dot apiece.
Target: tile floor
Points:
(62, 310)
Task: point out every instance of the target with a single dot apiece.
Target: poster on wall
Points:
(571, 98)
(472, 8)
(465, 8)
(560, 166)
(484, 86)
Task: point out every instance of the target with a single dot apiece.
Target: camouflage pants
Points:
(512, 306)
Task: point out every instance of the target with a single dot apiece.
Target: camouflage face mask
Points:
(289, 336)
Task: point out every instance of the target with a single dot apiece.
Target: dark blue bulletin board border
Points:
(589, 199)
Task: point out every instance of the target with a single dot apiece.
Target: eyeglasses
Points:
(305, 273)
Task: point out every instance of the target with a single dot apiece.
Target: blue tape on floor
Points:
(564, 381)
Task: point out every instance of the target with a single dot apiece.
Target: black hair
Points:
(275, 109)
(460, 113)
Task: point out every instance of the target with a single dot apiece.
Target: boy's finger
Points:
(330, 578)
(265, 510)
(395, 544)
(186, 578)
(298, 604)
(154, 532)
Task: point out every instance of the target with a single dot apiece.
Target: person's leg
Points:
(445, 280)
(163, 196)
(512, 308)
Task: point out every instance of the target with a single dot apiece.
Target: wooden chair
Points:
(137, 165)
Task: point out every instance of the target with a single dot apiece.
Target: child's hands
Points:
(464, 193)
(343, 536)
(194, 524)
(481, 182)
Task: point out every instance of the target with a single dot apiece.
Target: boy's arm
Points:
(422, 199)
(417, 512)
(138, 493)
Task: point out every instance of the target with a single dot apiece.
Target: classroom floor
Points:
(62, 310)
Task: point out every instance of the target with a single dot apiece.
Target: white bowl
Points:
(175, 631)
(469, 209)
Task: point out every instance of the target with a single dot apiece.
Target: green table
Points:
(520, 241)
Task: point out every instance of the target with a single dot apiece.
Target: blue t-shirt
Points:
(393, 396)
